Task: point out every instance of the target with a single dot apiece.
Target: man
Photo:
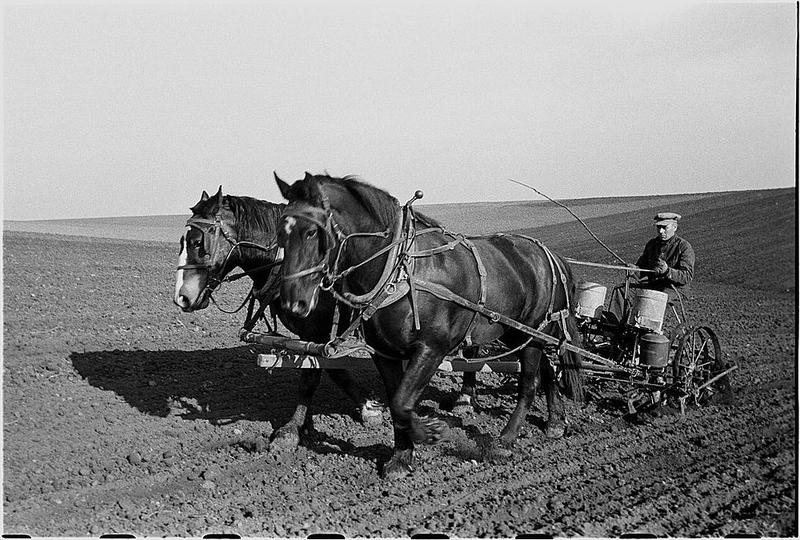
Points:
(672, 258)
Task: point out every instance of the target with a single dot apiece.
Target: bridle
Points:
(323, 219)
(215, 280)
(400, 234)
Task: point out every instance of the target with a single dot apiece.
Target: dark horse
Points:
(344, 234)
(228, 231)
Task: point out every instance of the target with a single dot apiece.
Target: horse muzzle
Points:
(187, 306)
(300, 307)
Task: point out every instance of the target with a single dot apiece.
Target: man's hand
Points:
(661, 267)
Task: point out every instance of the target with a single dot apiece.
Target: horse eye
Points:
(311, 233)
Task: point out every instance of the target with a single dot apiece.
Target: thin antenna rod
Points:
(620, 259)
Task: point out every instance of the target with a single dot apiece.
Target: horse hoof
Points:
(555, 431)
(371, 413)
(400, 466)
(495, 453)
(286, 439)
(428, 430)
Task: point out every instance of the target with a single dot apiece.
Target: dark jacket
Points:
(679, 256)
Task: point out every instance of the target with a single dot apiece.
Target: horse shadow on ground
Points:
(216, 385)
(222, 385)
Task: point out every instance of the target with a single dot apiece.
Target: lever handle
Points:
(417, 195)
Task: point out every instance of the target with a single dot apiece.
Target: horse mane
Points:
(427, 220)
(252, 216)
(379, 204)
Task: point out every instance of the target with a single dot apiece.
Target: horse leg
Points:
(369, 410)
(391, 372)
(467, 397)
(408, 427)
(530, 373)
(287, 437)
(556, 418)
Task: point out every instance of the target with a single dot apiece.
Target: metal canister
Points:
(590, 299)
(648, 310)
(654, 350)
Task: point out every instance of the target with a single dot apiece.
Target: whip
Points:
(620, 259)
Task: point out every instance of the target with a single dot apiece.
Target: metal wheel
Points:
(698, 368)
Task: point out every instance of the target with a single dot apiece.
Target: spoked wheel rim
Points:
(697, 365)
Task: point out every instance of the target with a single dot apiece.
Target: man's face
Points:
(665, 232)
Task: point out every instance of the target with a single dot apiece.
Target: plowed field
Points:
(123, 415)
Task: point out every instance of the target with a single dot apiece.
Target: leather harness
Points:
(398, 279)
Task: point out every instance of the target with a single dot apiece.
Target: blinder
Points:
(205, 226)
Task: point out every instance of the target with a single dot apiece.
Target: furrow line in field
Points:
(650, 504)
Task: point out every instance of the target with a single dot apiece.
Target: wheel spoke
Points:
(702, 348)
(696, 361)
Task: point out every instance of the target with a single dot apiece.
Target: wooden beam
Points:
(304, 361)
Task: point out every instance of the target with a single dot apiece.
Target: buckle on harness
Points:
(558, 315)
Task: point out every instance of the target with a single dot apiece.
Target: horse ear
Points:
(203, 198)
(282, 186)
(308, 175)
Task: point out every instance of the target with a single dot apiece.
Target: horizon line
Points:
(510, 201)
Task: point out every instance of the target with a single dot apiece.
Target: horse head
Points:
(303, 232)
(205, 254)
(329, 222)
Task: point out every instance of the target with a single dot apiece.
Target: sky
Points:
(133, 109)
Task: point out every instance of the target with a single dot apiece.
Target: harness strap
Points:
(335, 322)
(557, 274)
(444, 293)
(439, 249)
(482, 279)
(388, 269)
(407, 264)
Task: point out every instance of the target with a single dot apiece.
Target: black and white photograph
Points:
(400, 269)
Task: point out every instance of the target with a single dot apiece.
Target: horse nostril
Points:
(298, 309)
(182, 302)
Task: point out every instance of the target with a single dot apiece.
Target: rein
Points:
(398, 265)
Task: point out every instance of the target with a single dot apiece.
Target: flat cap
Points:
(662, 218)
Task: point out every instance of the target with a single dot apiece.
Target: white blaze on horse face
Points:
(288, 224)
(181, 262)
(188, 285)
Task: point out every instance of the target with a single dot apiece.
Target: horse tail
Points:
(572, 377)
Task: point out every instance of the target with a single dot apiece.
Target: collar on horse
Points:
(397, 279)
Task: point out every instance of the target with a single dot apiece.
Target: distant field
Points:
(469, 218)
